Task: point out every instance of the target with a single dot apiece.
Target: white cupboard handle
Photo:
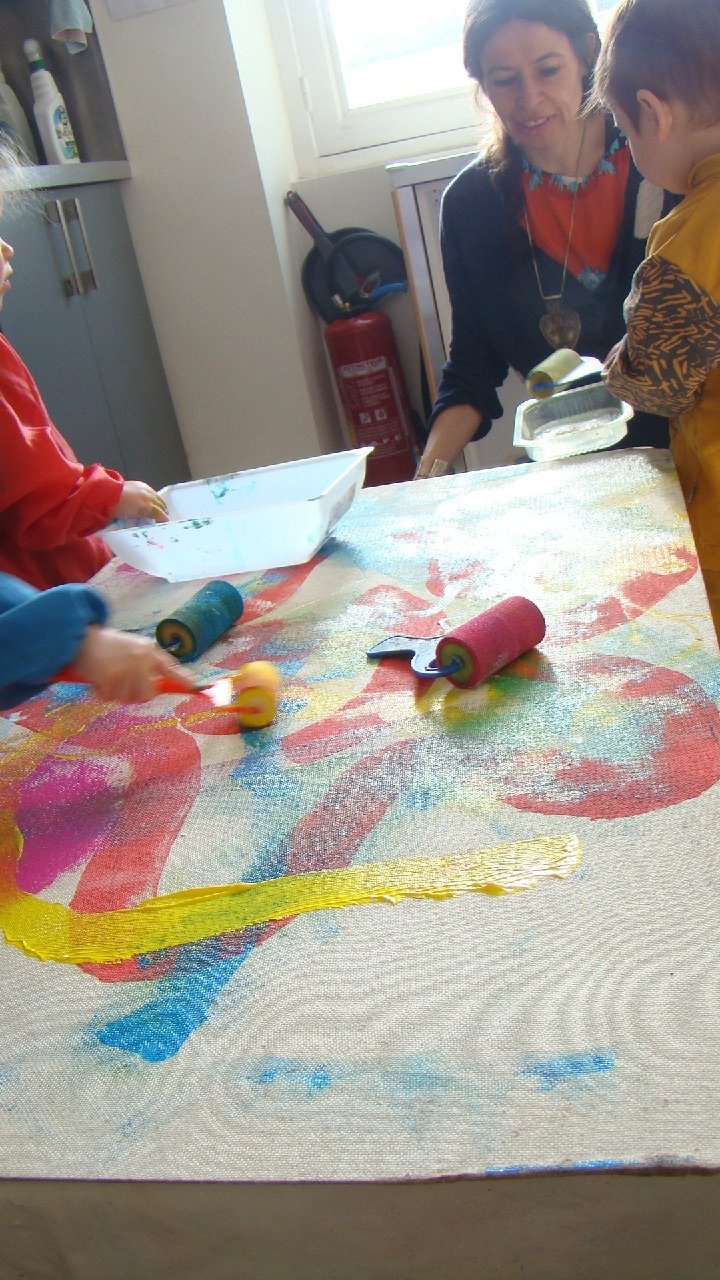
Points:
(72, 284)
(87, 274)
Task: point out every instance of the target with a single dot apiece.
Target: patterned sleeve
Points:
(672, 340)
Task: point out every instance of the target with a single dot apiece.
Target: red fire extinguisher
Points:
(365, 362)
(344, 276)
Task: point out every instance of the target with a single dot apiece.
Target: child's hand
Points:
(140, 502)
(124, 667)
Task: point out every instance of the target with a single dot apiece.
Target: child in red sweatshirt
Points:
(50, 505)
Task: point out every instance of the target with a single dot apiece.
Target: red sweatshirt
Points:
(50, 504)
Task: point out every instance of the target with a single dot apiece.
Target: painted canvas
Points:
(163, 1020)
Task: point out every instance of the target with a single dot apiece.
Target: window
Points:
(603, 12)
(398, 51)
(376, 79)
(360, 75)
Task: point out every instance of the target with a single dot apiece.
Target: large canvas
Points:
(570, 1025)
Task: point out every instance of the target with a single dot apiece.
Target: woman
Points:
(541, 236)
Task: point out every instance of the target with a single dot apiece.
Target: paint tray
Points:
(246, 521)
(571, 422)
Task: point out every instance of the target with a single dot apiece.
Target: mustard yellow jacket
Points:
(669, 361)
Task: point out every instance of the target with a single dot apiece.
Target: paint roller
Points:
(202, 620)
(250, 693)
(476, 649)
(558, 371)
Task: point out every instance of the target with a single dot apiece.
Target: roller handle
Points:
(164, 684)
(70, 675)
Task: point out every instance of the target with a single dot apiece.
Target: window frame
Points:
(327, 136)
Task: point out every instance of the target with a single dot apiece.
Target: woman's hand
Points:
(451, 431)
(140, 502)
(124, 667)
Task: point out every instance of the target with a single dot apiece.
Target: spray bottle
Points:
(14, 127)
(50, 113)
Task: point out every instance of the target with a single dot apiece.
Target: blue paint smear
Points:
(159, 1029)
(580, 1166)
(290, 706)
(416, 1077)
(413, 1088)
(407, 1079)
(423, 798)
(309, 1080)
(550, 1073)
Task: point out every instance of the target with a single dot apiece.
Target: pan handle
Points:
(309, 222)
(346, 285)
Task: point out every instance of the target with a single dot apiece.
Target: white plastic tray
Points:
(571, 422)
(246, 521)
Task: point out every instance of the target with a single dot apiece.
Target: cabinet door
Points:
(123, 338)
(49, 331)
(82, 325)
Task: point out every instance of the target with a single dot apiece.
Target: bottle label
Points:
(64, 134)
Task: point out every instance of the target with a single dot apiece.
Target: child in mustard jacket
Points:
(659, 72)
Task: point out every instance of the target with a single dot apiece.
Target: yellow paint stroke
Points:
(51, 931)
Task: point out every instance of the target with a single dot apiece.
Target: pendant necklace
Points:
(559, 327)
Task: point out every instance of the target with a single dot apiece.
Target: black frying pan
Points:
(349, 270)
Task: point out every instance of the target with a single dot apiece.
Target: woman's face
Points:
(533, 78)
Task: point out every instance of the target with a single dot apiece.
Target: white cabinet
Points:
(77, 312)
(78, 317)
(417, 192)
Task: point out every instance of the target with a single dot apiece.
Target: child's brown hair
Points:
(671, 47)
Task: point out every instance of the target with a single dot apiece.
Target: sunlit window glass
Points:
(388, 50)
(603, 12)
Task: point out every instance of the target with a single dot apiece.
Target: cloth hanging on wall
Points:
(71, 23)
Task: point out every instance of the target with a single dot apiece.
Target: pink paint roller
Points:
(476, 649)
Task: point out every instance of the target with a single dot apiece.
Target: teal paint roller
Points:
(202, 620)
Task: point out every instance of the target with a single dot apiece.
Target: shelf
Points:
(408, 173)
(37, 177)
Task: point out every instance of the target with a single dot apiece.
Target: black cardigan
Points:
(496, 304)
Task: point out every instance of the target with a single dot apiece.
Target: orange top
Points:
(598, 213)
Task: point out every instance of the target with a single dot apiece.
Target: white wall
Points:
(200, 106)
(244, 366)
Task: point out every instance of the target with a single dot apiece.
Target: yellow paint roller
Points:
(558, 371)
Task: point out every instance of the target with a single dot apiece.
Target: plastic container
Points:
(51, 115)
(571, 422)
(13, 123)
(246, 521)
